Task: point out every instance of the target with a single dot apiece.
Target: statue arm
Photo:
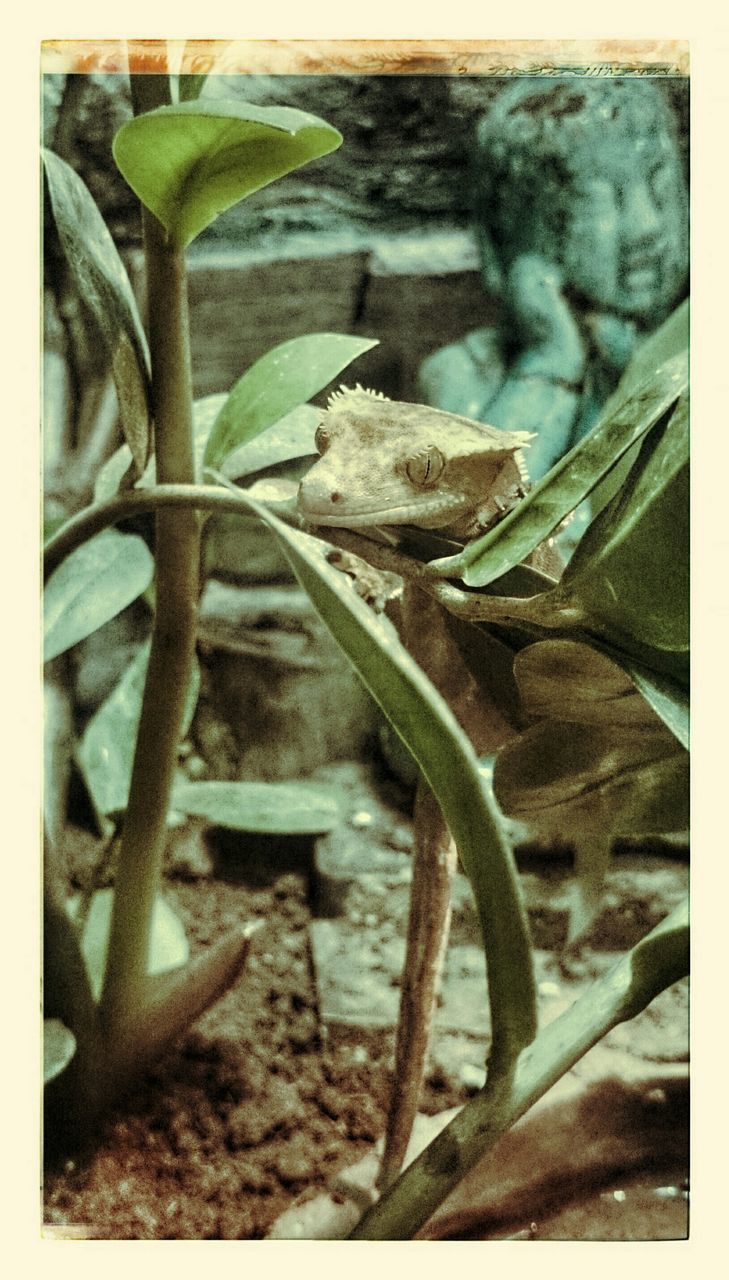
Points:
(543, 386)
(534, 403)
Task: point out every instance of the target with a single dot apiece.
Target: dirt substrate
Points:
(260, 1101)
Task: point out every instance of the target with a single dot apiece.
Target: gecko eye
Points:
(321, 439)
(425, 467)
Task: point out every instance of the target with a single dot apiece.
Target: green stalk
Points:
(177, 554)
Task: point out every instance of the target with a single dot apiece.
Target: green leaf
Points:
(92, 585)
(168, 950)
(431, 733)
(668, 699)
(104, 288)
(285, 808)
(571, 480)
(568, 680)
(255, 406)
(290, 438)
(630, 572)
(569, 779)
(285, 377)
(189, 163)
(59, 1046)
(106, 751)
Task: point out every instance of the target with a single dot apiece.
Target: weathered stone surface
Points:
(278, 698)
(360, 893)
(411, 290)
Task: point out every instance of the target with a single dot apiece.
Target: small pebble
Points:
(361, 819)
(472, 1077)
(549, 989)
(195, 768)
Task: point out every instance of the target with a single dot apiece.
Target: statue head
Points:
(586, 172)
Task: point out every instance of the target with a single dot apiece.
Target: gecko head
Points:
(386, 462)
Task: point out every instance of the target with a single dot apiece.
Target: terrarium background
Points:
(374, 239)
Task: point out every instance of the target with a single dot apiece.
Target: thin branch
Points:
(135, 502)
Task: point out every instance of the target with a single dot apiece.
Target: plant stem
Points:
(135, 502)
(177, 554)
(434, 866)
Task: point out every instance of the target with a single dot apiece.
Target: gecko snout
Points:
(316, 497)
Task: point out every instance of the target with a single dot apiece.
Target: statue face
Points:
(625, 245)
(587, 174)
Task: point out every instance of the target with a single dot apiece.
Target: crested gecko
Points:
(388, 463)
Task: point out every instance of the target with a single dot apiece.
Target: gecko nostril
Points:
(335, 497)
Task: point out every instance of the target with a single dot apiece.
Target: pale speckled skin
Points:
(384, 462)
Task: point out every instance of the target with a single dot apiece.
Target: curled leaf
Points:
(190, 162)
(168, 947)
(104, 288)
(92, 585)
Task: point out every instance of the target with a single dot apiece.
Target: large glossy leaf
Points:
(631, 569)
(284, 808)
(59, 1046)
(431, 733)
(91, 586)
(190, 162)
(103, 286)
(570, 681)
(106, 750)
(285, 377)
(665, 696)
(571, 479)
(668, 341)
(168, 949)
(568, 778)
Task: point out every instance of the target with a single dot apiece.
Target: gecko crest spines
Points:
(344, 396)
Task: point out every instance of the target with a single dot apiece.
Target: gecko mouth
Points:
(412, 513)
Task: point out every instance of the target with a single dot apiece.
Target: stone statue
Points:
(581, 208)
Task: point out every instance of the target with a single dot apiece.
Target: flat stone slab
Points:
(362, 873)
(361, 887)
(358, 972)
